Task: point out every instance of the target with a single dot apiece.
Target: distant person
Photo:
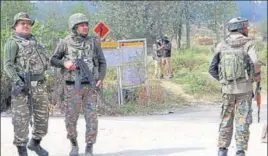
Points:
(167, 56)
(157, 57)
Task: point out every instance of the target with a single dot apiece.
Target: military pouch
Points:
(37, 78)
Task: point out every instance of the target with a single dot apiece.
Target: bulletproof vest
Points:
(31, 55)
(234, 64)
(81, 49)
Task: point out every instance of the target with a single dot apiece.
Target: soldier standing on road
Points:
(233, 66)
(23, 53)
(158, 56)
(76, 46)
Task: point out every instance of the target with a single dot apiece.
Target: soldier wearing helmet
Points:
(25, 55)
(78, 45)
(235, 65)
(157, 57)
(167, 56)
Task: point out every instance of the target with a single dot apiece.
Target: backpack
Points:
(233, 64)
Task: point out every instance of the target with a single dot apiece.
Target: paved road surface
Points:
(188, 132)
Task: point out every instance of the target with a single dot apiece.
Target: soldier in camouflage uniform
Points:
(233, 66)
(158, 56)
(24, 53)
(79, 45)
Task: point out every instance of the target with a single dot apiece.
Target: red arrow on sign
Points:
(102, 30)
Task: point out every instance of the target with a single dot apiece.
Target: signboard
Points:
(109, 44)
(132, 44)
(133, 75)
(112, 57)
(130, 58)
(132, 54)
(101, 30)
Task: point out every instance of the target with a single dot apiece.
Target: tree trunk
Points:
(216, 24)
(187, 26)
(187, 33)
(179, 36)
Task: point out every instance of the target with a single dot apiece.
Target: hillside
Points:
(44, 7)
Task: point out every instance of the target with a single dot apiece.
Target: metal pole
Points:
(146, 71)
(118, 88)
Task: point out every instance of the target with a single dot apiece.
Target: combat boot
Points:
(240, 153)
(222, 152)
(89, 150)
(75, 149)
(22, 150)
(34, 145)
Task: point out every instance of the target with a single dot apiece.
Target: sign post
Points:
(102, 30)
(130, 59)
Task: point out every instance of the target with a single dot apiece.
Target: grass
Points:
(191, 70)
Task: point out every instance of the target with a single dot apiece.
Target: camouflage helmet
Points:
(22, 16)
(158, 38)
(76, 19)
(165, 38)
(237, 23)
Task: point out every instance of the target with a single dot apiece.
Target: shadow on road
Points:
(150, 152)
(155, 152)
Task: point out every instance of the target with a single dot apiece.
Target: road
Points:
(188, 132)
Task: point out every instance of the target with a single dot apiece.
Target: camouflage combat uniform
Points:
(23, 52)
(236, 96)
(74, 47)
(157, 56)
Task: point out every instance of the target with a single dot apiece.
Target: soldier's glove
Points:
(18, 87)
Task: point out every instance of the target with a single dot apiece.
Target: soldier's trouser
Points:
(158, 70)
(167, 61)
(87, 99)
(21, 115)
(236, 106)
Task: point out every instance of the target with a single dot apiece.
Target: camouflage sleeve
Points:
(102, 62)
(56, 59)
(250, 48)
(11, 49)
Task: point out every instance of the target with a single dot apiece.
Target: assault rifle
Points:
(257, 94)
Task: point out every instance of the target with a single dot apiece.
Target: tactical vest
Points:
(85, 50)
(159, 53)
(235, 69)
(234, 65)
(31, 55)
